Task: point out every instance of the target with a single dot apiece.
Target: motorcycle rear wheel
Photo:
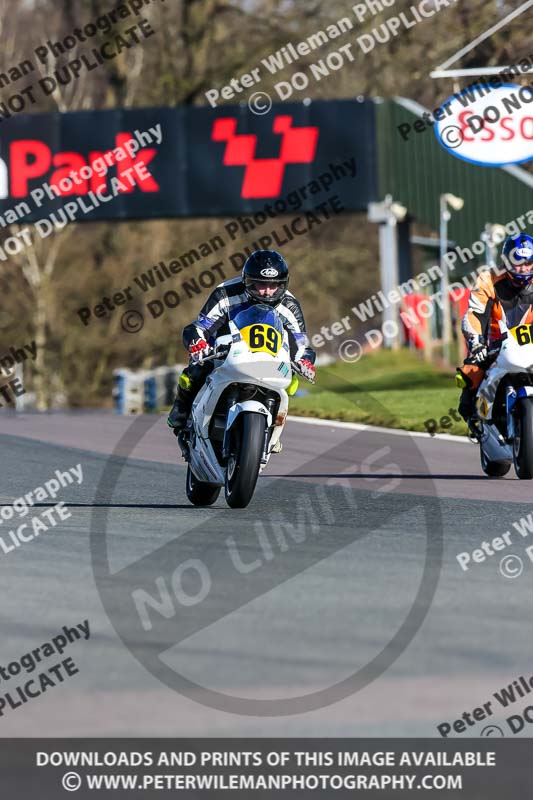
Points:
(242, 471)
(199, 493)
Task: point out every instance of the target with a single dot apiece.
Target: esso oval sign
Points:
(492, 130)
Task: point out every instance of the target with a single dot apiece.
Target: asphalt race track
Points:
(358, 587)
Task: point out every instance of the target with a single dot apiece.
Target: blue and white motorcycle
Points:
(504, 406)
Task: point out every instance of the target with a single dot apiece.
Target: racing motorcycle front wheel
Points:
(523, 440)
(244, 462)
(494, 469)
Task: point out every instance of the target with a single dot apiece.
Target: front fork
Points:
(510, 402)
(226, 444)
(270, 404)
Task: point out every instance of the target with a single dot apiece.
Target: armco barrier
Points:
(143, 391)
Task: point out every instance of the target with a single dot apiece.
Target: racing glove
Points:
(198, 349)
(478, 352)
(307, 369)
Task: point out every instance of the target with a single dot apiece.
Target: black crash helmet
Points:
(266, 277)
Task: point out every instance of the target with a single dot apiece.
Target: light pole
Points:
(388, 214)
(493, 235)
(456, 203)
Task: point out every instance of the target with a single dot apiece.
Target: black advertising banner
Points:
(176, 162)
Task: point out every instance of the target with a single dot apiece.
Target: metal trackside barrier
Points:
(12, 392)
(128, 391)
(144, 391)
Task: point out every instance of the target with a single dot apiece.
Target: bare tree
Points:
(38, 263)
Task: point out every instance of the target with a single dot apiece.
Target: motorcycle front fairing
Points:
(513, 359)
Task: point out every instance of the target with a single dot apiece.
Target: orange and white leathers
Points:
(494, 299)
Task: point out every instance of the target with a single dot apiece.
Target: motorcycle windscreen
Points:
(261, 327)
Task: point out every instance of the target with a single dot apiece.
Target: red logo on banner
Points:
(263, 177)
(31, 159)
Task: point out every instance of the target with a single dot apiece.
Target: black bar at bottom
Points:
(47, 769)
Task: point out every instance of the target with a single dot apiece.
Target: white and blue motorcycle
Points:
(504, 406)
(239, 414)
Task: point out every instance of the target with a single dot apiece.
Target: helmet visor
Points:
(520, 263)
(267, 291)
(523, 268)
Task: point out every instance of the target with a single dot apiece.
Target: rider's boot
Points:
(467, 403)
(467, 400)
(179, 413)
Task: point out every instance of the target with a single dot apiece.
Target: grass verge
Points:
(389, 389)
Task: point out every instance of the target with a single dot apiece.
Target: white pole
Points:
(445, 285)
(388, 259)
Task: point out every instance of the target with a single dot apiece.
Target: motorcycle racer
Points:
(496, 296)
(264, 279)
